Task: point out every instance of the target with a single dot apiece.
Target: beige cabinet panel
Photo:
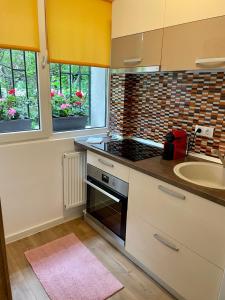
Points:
(179, 12)
(135, 16)
(191, 276)
(152, 48)
(126, 51)
(137, 50)
(183, 44)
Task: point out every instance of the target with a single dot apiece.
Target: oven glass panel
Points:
(110, 213)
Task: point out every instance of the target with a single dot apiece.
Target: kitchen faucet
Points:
(219, 154)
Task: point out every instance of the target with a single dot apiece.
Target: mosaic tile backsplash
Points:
(149, 105)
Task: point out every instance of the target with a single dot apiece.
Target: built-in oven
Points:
(107, 198)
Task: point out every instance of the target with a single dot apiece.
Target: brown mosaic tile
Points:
(148, 105)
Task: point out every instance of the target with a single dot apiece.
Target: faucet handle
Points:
(216, 152)
(219, 154)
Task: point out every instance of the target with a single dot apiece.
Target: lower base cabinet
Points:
(178, 236)
(187, 273)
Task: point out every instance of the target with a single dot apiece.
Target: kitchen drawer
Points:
(108, 165)
(197, 223)
(188, 274)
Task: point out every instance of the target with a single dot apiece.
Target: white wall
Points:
(31, 184)
(98, 96)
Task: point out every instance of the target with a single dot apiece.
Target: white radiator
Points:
(73, 179)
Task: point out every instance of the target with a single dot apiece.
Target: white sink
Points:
(206, 174)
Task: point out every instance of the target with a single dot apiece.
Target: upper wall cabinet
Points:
(132, 16)
(180, 12)
(137, 50)
(126, 51)
(195, 45)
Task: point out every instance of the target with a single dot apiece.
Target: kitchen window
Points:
(56, 86)
(19, 97)
(78, 97)
(78, 94)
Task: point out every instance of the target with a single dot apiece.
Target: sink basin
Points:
(206, 174)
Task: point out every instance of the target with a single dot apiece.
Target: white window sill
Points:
(78, 133)
(32, 138)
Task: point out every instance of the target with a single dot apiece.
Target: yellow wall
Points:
(134, 16)
(183, 11)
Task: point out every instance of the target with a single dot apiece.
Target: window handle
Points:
(171, 192)
(165, 242)
(106, 163)
(44, 61)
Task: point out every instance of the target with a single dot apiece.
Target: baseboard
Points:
(68, 216)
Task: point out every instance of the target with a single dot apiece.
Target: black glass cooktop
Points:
(129, 149)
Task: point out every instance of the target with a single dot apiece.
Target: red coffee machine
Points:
(175, 146)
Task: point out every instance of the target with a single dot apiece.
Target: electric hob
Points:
(129, 149)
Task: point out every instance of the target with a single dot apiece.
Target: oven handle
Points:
(102, 191)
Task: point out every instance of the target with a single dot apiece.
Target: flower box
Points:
(69, 123)
(15, 125)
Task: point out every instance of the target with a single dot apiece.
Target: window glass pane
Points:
(19, 103)
(78, 95)
(84, 70)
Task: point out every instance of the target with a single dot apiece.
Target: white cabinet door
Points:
(132, 16)
(184, 271)
(185, 11)
(195, 222)
(188, 274)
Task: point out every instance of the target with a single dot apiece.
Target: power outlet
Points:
(205, 131)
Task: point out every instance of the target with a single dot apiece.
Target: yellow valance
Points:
(19, 24)
(79, 31)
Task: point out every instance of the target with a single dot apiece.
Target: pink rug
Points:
(69, 271)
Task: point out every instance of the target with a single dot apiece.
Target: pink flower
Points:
(11, 112)
(79, 94)
(52, 93)
(12, 92)
(77, 103)
(2, 100)
(64, 106)
(60, 94)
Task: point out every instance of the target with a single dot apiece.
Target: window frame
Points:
(93, 130)
(70, 75)
(45, 110)
(44, 90)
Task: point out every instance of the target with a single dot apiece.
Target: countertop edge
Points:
(179, 183)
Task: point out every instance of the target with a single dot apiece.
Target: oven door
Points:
(107, 206)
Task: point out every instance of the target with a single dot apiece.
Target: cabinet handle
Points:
(166, 242)
(171, 193)
(207, 61)
(133, 61)
(105, 163)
